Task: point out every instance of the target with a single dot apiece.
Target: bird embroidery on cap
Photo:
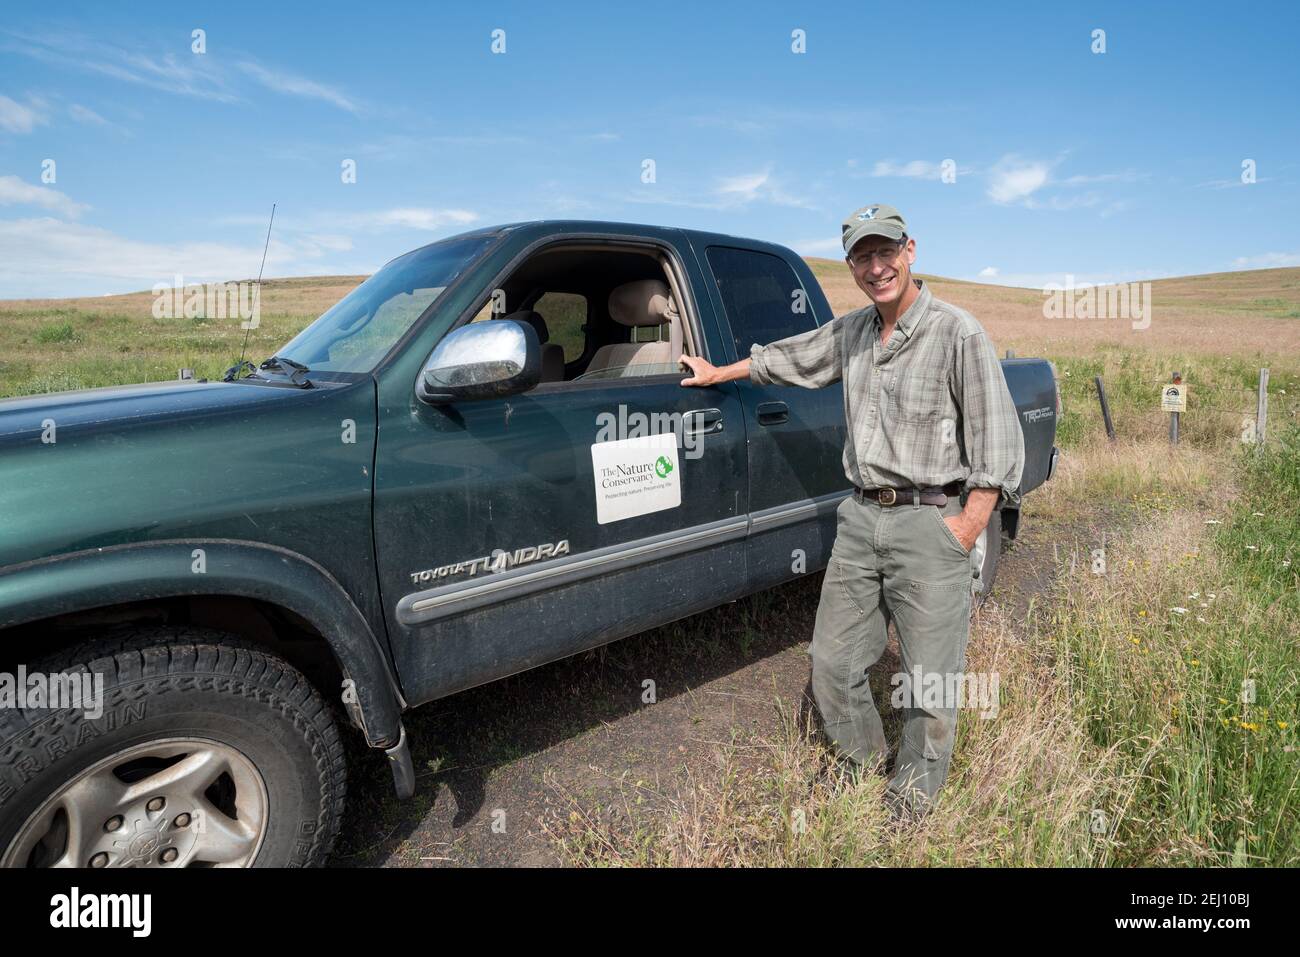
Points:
(869, 214)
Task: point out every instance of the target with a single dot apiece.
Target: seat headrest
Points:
(644, 302)
(533, 319)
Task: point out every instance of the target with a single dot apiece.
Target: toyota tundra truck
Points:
(479, 461)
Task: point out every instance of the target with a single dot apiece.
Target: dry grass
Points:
(1122, 738)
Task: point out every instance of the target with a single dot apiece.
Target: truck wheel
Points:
(201, 752)
(992, 552)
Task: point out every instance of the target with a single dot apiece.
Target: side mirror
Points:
(483, 360)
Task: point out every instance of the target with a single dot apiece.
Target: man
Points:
(933, 445)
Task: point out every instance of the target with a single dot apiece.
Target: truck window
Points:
(565, 313)
(761, 294)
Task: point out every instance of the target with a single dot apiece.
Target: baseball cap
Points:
(874, 220)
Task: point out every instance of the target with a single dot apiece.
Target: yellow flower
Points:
(1250, 726)
(1142, 613)
(1223, 701)
(1283, 725)
(1196, 662)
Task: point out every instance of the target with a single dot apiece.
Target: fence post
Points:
(1261, 408)
(1173, 416)
(1010, 354)
(1105, 409)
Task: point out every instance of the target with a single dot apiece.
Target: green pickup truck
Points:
(479, 461)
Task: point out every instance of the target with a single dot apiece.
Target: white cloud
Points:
(916, 169)
(1013, 179)
(293, 85)
(750, 187)
(832, 248)
(745, 187)
(194, 76)
(411, 218)
(1040, 280)
(1126, 176)
(16, 192)
(16, 118)
(989, 272)
(51, 257)
(1266, 261)
(84, 114)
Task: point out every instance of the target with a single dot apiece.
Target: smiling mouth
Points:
(880, 285)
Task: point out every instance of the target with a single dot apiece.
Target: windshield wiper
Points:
(295, 370)
(233, 372)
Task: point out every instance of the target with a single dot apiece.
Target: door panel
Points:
(456, 483)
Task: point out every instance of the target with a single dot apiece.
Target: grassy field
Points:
(1148, 714)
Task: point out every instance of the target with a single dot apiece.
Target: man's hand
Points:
(967, 525)
(964, 530)
(706, 374)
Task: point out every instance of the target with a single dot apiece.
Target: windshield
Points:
(360, 329)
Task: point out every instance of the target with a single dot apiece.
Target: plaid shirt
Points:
(928, 408)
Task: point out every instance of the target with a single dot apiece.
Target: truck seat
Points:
(644, 302)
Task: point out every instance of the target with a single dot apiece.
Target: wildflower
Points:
(1250, 725)
(1196, 662)
(1142, 613)
(1283, 725)
(1223, 701)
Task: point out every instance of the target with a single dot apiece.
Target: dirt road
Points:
(495, 763)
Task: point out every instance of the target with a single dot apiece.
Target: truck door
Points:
(796, 436)
(509, 534)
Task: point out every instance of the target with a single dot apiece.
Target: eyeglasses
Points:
(886, 254)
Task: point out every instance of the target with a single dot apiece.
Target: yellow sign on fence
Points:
(1173, 397)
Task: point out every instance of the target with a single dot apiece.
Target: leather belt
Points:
(931, 495)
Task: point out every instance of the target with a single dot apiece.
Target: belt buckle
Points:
(893, 496)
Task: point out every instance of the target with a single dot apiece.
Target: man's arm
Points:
(995, 447)
(811, 360)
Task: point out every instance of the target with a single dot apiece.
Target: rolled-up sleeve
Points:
(811, 359)
(995, 446)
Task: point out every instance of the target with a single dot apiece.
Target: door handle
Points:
(772, 413)
(702, 421)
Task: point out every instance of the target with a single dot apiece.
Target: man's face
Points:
(881, 267)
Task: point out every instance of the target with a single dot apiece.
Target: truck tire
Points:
(205, 752)
(992, 552)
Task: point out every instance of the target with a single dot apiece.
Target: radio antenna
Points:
(244, 348)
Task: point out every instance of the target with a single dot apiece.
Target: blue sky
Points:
(1114, 166)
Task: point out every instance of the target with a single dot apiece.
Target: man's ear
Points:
(911, 250)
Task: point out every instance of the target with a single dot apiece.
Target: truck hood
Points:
(168, 460)
(121, 405)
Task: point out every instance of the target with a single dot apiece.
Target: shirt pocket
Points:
(919, 397)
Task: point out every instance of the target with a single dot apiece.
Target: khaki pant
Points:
(900, 563)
